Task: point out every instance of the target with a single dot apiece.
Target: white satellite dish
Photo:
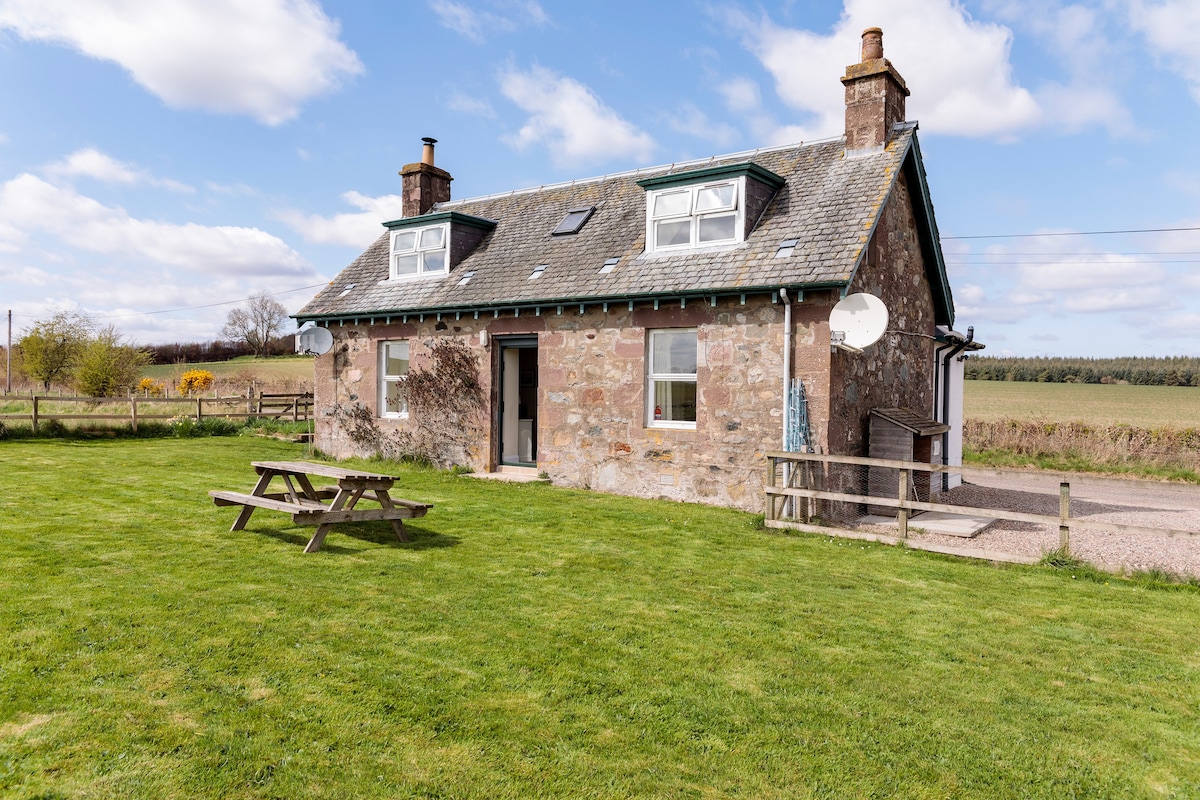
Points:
(857, 321)
(314, 341)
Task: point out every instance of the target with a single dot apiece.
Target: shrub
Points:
(195, 380)
(150, 388)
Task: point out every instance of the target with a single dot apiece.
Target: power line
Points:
(187, 308)
(1077, 233)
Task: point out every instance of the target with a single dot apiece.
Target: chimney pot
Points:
(872, 44)
(427, 150)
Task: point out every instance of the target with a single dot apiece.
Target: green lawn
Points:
(1097, 404)
(534, 642)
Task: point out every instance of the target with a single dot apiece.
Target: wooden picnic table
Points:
(306, 503)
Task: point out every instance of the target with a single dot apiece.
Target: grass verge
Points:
(533, 641)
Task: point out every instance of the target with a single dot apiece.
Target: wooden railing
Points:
(134, 409)
(794, 490)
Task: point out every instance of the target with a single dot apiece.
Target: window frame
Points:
(386, 379)
(694, 216)
(418, 234)
(653, 378)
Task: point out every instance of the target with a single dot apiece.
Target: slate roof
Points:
(829, 204)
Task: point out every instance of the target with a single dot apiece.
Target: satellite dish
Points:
(857, 321)
(314, 341)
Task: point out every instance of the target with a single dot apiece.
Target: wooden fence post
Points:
(1064, 514)
(902, 515)
(35, 413)
(771, 483)
(199, 408)
(133, 411)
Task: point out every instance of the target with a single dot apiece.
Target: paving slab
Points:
(937, 522)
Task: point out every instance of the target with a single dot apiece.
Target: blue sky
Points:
(161, 161)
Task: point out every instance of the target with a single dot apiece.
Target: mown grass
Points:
(533, 641)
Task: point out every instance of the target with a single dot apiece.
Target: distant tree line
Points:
(199, 352)
(1166, 371)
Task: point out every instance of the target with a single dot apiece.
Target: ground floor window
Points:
(393, 369)
(671, 378)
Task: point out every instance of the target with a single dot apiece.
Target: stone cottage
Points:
(639, 333)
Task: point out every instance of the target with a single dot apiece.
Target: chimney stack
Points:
(422, 184)
(875, 95)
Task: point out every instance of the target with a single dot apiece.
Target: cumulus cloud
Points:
(504, 16)
(263, 58)
(961, 66)
(356, 229)
(29, 205)
(1173, 28)
(570, 120)
(91, 163)
(690, 120)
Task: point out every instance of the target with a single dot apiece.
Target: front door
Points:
(517, 423)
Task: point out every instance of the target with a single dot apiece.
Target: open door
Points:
(517, 423)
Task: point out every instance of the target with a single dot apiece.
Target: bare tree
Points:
(257, 323)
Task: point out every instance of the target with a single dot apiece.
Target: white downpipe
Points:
(787, 374)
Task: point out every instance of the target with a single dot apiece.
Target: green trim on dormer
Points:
(748, 168)
(453, 217)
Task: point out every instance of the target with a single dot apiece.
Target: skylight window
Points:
(537, 272)
(466, 278)
(420, 251)
(573, 221)
(609, 265)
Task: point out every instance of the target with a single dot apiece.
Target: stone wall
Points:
(591, 399)
(898, 371)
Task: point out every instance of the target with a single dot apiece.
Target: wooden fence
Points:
(134, 409)
(798, 483)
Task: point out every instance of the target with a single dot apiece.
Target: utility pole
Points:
(8, 354)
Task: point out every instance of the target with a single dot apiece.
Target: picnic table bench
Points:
(306, 503)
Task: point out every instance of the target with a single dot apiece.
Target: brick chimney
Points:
(875, 95)
(423, 184)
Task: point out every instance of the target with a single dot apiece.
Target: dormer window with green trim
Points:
(709, 207)
(420, 251)
(432, 245)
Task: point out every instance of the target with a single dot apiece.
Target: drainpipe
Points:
(958, 348)
(787, 357)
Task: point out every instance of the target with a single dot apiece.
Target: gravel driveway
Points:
(1147, 503)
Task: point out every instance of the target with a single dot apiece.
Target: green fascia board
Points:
(748, 168)
(640, 297)
(931, 241)
(453, 217)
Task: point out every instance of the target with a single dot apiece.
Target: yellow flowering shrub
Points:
(195, 380)
(149, 387)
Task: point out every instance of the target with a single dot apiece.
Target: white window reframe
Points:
(698, 211)
(668, 379)
(421, 245)
(393, 377)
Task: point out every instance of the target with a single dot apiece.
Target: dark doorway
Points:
(517, 413)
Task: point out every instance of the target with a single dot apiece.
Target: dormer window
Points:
(432, 245)
(420, 251)
(694, 216)
(710, 207)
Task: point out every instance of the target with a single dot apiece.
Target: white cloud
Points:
(507, 16)
(741, 94)
(475, 106)
(351, 229)
(570, 120)
(91, 163)
(261, 58)
(690, 120)
(958, 68)
(1173, 28)
(29, 205)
